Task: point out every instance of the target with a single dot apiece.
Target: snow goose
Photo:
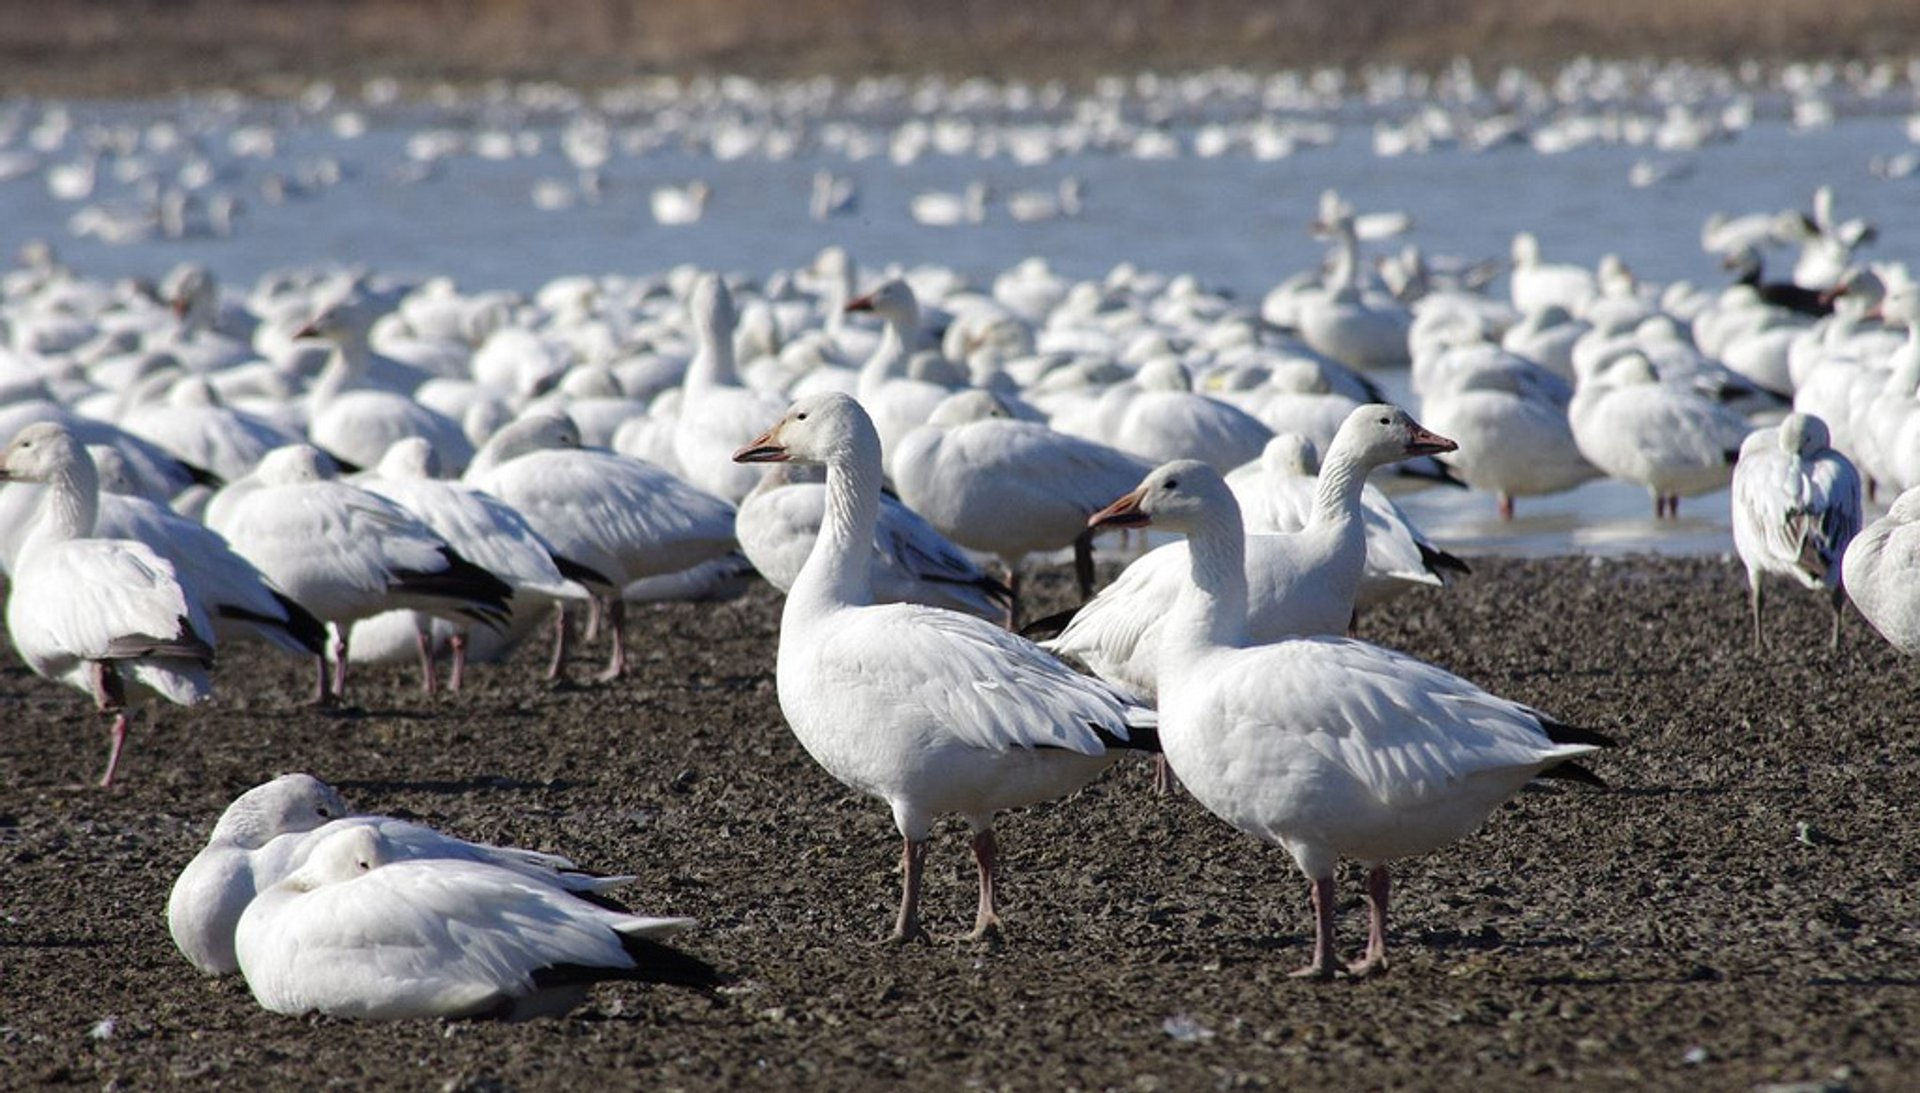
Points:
(107, 617)
(611, 514)
(192, 424)
(1325, 746)
(268, 832)
(360, 423)
(943, 209)
(1302, 582)
(492, 535)
(1005, 487)
(1537, 284)
(1796, 506)
(347, 554)
(717, 414)
(913, 563)
(677, 205)
(1511, 421)
(1881, 571)
(1159, 417)
(932, 711)
(1281, 488)
(359, 931)
(896, 401)
(1670, 439)
(1343, 325)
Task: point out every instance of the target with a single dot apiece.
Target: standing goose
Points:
(107, 617)
(1796, 506)
(1328, 747)
(1882, 573)
(898, 402)
(361, 423)
(1672, 440)
(717, 413)
(931, 711)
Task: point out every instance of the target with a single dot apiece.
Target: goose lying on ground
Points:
(1328, 747)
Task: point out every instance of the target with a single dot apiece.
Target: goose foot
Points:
(1368, 965)
(1164, 783)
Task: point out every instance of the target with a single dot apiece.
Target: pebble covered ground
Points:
(1741, 909)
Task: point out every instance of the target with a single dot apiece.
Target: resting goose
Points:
(931, 711)
(1881, 570)
(717, 413)
(361, 931)
(107, 617)
(1328, 747)
(1670, 439)
(271, 829)
(1796, 506)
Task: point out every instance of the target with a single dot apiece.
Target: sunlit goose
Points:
(486, 531)
(1538, 284)
(675, 205)
(1796, 506)
(913, 563)
(942, 209)
(1029, 206)
(932, 711)
(1328, 747)
(1278, 492)
(107, 617)
(1515, 438)
(1159, 417)
(1343, 324)
(1301, 582)
(1881, 570)
(1669, 439)
(360, 423)
(717, 414)
(158, 471)
(611, 514)
(360, 931)
(1005, 487)
(268, 832)
(896, 401)
(347, 554)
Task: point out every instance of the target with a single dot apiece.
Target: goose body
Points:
(1669, 439)
(1796, 506)
(1882, 573)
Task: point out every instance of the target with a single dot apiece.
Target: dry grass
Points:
(105, 46)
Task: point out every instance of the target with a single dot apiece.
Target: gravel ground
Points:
(1742, 908)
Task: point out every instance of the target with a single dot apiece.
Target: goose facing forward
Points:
(1328, 747)
(932, 711)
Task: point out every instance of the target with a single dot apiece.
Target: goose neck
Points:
(69, 505)
(1336, 494)
(838, 572)
(1211, 612)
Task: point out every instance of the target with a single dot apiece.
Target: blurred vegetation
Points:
(145, 46)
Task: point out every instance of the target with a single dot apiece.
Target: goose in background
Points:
(268, 832)
(897, 401)
(1881, 572)
(1325, 746)
(1748, 267)
(359, 930)
(107, 617)
(932, 711)
(1670, 439)
(1032, 206)
(1796, 506)
(674, 206)
(942, 209)
(717, 413)
(832, 195)
(1536, 284)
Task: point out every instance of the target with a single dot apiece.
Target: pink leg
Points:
(1375, 961)
(557, 668)
(423, 640)
(322, 694)
(1164, 782)
(1324, 966)
(457, 675)
(616, 616)
(119, 741)
(913, 858)
(1506, 506)
(985, 921)
(340, 663)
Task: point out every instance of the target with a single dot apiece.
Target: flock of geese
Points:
(352, 468)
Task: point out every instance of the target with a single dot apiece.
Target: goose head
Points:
(893, 301)
(1379, 433)
(289, 803)
(711, 306)
(291, 465)
(410, 457)
(1803, 434)
(1290, 455)
(1182, 496)
(342, 856)
(40, 452)
(813, 430)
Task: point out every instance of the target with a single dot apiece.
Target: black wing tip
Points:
(1571, 771)
(487, 596)
(1050, 627)
(200, 476)
(1439, 561)
(1562, 733)
(1140, 738)
(574, 571)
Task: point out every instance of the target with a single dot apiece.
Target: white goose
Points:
(1515, 438)
(268, 832)
(717, 413)
(361, 931)
(1881, 570)
(357, 423)
(1670, 439)
(912, 563)
(1302, 582)
(944, 209)
(677, 205)
(611, 514)
(1796, 506)
(931, 711)
(347, 554)
(1005, 487)
(1328, 747)
(896, 401)
(107, 617)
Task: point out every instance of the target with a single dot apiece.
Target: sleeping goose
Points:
(931, 711)
(1326, 746)
(1796, 506)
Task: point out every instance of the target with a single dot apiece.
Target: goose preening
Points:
(347, 554)
(107, 617)
(1796, 506)
(912, 562)
(931, 711)
(361, 931)
(1006, 487)
(1881, 571)
(1325, 746)
(270, 830)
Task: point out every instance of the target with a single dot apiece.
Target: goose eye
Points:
(1385, 421)
(364, 866)
(1173, 483)
(799, 417)
(322, 810)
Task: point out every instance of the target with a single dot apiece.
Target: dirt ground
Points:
(1742, 908)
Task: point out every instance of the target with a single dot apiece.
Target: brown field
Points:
(108, 47)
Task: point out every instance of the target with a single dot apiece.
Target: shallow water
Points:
(1234, 222)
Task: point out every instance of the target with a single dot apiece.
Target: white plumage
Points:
(1796, 506)
(1882, 573)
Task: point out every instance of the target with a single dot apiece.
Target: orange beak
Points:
(1428, 443)
(311, 330)
(764, 449)
(860, 303)
(1124, 513)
